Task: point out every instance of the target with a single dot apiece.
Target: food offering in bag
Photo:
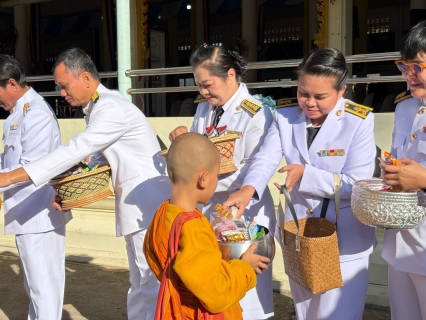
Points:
(390, 160)
(229, 228)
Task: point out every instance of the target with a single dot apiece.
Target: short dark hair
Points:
(11, 69)
(76, 61)
(218, 60)
(414, 41)
(326, 62)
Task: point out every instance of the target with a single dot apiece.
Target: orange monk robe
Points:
(204, 276)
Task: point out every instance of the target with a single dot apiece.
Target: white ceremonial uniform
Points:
(120, 131)
(30, 132)
(405, 249)
(257, 303)
(341, 130)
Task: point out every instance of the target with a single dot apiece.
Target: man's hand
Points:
(294, 174)
(409, 176)
(177, 132)
(240, 199)
(11, 177)
(257, 262)
(58, 203)
(5, 180)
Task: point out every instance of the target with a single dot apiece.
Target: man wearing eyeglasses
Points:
(405, 250)
(30, 132)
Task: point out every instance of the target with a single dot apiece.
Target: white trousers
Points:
(144, 286)
(258, 302)
(407, 294)
(43, 263)
(346, 302)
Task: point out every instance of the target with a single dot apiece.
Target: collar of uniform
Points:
(89, 107)
(231, 100)
(27, 97)
(309, 124)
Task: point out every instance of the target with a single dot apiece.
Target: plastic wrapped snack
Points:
(234, 236)
(224, 220)
(389, 160)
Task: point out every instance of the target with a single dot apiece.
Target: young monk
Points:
(198, 282)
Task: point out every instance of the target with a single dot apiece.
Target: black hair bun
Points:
(240, 63)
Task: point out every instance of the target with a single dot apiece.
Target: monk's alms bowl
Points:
(234, 250)
(384, 209)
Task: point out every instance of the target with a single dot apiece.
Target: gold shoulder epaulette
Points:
(200, 98)
(403, 96)
(95, 97)
(251, 106)
(286, 102)
(26, 108)
(357, 109)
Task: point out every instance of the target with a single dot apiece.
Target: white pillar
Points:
(340, 30)
(249, 34)
(340, 26)
(20, 22)
(124, 55)
(417, 4)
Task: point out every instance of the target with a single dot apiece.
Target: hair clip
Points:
(205, 45)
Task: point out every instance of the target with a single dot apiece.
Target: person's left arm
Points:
(359, 164)
(107, 124)
(216, 283)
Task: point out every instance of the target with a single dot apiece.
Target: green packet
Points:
(259, 234)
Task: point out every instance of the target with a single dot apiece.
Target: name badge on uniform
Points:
(331, 153)
(13, 127)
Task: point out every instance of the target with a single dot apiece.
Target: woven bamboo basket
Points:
(316, 266)
(83, 189)
(226, 145)
(310, 246)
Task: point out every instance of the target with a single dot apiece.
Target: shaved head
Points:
(189, 153)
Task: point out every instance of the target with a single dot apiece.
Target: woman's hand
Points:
(177, 132)
(257, 262)
(409, 176)
(294, 174)
(240, 199)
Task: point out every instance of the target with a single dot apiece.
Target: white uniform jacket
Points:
(254, 129)
(27, 136)
(405, 249)
(119, 130)
(341, 130)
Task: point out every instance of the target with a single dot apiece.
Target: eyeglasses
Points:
(416, 68)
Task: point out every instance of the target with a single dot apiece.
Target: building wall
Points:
(91, 234)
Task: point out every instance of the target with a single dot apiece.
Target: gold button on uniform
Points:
(413, 136)
(422, 110)
(299, 111)
(310, 211)
(338, 112)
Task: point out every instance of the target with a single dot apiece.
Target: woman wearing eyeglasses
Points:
(405, 250)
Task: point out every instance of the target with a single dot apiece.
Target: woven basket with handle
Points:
(310, 247)
(82, 189)
(226, 145)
